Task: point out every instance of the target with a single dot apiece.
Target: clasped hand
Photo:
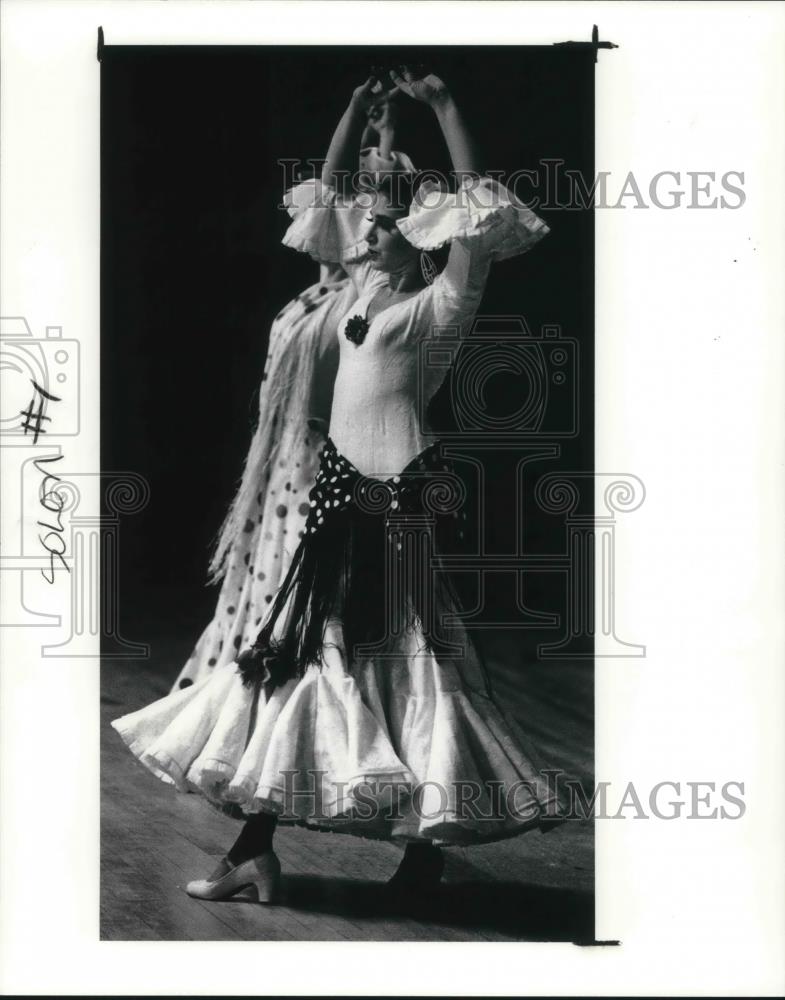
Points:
(428, 89)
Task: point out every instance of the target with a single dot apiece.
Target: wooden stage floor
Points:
(154, 840)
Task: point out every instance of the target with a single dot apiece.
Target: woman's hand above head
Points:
(371, 93)
(431, 90)
(425, 87)
(341, 159)
(382, 115)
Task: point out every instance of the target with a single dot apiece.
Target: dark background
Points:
(192, 274)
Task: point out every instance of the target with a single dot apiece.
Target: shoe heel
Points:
(268, 879)
(259, 876)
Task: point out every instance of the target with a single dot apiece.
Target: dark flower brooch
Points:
(356, 329)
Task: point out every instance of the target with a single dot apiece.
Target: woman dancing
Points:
(266, 519)
(356, 709)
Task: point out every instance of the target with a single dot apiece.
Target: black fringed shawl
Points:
(367, 560)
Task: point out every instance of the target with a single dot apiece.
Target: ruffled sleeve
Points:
(483, 221)
(329, 228)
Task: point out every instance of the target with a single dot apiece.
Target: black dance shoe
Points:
(421, 869)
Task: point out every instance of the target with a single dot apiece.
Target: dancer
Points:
(352, 712)
(266, 519)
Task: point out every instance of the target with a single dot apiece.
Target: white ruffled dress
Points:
(408, 747)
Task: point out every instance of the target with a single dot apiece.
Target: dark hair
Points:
(400, 189)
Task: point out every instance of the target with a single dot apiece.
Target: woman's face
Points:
(389, 250)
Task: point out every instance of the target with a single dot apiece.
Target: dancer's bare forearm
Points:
(433, 91)
(341, 161)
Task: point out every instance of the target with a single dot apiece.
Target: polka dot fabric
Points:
(339, 483)
(302, 339)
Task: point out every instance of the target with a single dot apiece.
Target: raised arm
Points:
(381, 122)
(432, 91)
(491, 224)
(341, 160)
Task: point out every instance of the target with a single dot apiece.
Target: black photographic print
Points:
(347, 368)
